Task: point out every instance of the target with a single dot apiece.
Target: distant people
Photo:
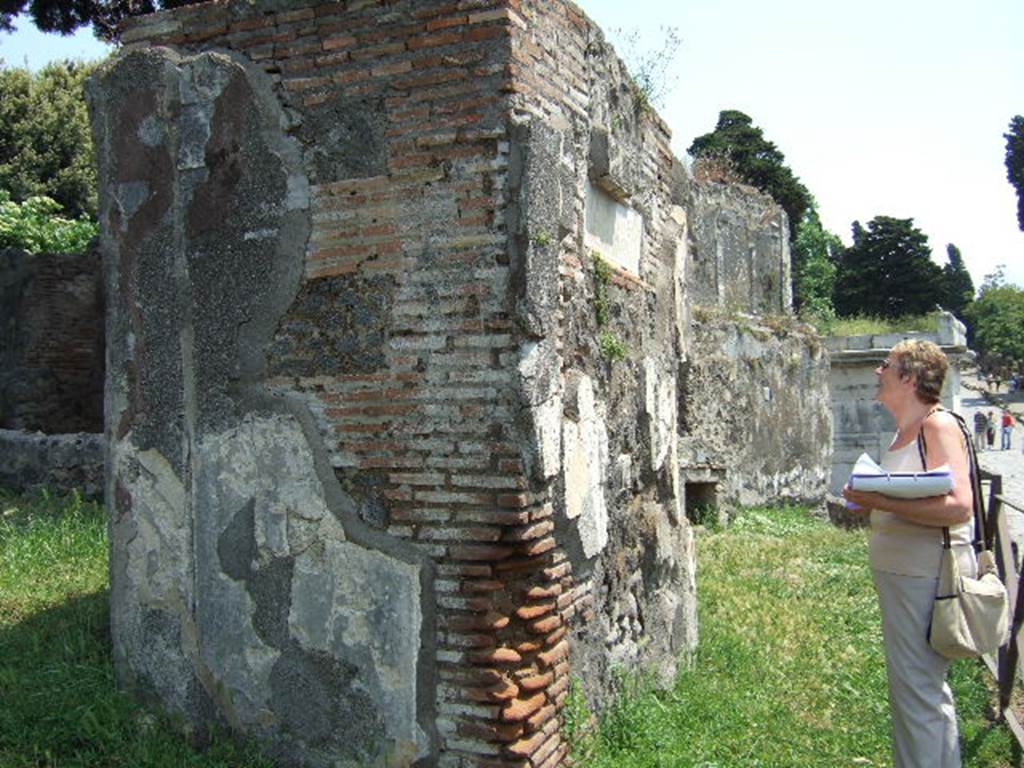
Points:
(980, 429)
(990, 430)
(1007, 422)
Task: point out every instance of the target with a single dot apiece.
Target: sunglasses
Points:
(885, 364)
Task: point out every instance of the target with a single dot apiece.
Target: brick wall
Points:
(443, 335)
(51, 342)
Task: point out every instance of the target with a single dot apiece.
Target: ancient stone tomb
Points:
(396, 324)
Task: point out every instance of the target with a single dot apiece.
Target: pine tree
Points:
(758, 161)
(888, 271)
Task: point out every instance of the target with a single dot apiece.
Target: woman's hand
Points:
(865, 501)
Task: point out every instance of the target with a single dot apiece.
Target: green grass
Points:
(59, 706)
(862, 326)
(789, 671)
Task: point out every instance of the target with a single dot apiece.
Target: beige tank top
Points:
(908, 549)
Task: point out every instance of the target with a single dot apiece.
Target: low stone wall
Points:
(862, 425)
(60, 463)
(756, 413)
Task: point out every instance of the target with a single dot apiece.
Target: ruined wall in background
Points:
(757, 413)
(738, 250)
(51, 342)
(51, 371)
(755, 401)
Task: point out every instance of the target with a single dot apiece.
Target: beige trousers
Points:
(924, 729)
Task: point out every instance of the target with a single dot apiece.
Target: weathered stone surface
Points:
(585, 458)
(364, 607)
(739, 250)
(60, 463)
(757, 411)
(221, 504)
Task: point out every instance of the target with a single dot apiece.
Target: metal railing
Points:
(1003, 665)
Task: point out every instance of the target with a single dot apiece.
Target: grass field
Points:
(59, 707)
(789, 672)
(790, 669)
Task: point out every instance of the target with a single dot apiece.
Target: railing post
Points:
(996, 525)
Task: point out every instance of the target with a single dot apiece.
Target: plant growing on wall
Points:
(649, 67)
(611, 346)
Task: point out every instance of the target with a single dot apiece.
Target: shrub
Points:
(36, 226)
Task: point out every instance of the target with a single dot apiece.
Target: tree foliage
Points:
(757, 160)
(45, 139)
(957, 285)
(997, 320)
(36, 227)
(888, 271)
(1015, 163)
(816, 251)
(65, 16)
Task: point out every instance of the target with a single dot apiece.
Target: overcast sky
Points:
(882, 107)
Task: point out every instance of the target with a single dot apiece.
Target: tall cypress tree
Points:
(1015, 163)
(958, 288)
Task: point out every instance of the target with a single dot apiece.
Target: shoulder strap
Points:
(980, 532)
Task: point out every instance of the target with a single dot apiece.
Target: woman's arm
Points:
(945, 446)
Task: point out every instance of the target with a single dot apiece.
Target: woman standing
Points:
(906, 550)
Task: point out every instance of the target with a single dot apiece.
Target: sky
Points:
(881, 107)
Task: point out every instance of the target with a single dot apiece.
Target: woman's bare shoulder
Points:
(941, 423)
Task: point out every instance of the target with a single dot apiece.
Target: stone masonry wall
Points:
(63, 462)
(597, 161)
(348, 407)
(51, 342)
(757, 411)
(739, 250)
(400, 374)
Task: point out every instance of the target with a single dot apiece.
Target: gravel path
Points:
(1009, 463)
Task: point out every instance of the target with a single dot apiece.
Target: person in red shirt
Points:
(1007, 430)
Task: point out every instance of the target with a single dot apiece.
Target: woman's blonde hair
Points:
(925, 362)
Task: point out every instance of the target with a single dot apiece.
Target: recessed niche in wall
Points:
(614, 229)
(702, 503)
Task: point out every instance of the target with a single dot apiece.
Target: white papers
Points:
(868, 476)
